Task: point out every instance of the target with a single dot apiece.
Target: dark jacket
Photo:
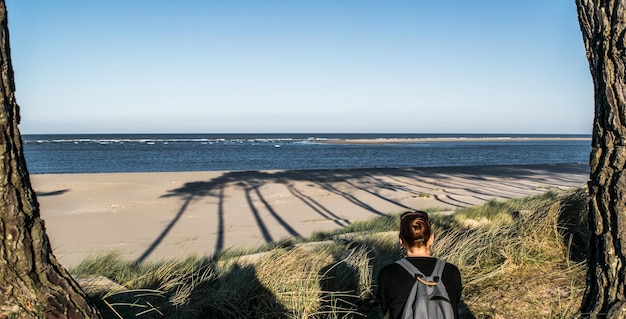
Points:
(395, 283)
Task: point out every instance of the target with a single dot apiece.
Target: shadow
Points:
(573, 223)
(452, 201)
(340, 283)
(192, 191)
(219, 243)
(257, 217)
(316, 206)
(464, 311)
(471, 184)
(53, 193)
(204, 290)
(367, 188)
(280, 220)
(236, 294)
(351, 198)
(480, 183)
(164, 233)
(339, 290)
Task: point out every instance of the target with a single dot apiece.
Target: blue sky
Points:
(358, 66)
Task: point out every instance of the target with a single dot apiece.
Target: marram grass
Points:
(521, 258)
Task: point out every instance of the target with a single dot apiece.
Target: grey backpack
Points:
(428, 297)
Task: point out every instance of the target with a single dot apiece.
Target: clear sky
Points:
(307, 66)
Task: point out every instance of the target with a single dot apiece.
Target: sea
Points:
(107, 153)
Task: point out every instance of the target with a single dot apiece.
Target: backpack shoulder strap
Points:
(407, 313)
(408, 266)
(440, 289)
(438, 270)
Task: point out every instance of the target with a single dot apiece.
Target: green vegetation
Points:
(521, 258)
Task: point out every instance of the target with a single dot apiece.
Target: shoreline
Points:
(161, 215)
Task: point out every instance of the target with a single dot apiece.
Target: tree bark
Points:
(603, 28)
(32, 283)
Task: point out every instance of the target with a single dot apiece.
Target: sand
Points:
(158, 216)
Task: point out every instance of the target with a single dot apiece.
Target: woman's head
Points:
(415, 229)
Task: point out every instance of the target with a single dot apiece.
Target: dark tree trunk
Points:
(32, 283)
(603, 28)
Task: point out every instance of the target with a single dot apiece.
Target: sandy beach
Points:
(156, 216)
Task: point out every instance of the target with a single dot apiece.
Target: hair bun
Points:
(415, 229)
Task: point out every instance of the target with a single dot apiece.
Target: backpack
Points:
(428, 297)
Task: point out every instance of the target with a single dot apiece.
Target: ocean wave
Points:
(105, 141)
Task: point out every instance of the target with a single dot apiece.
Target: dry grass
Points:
(521, 258)
(519, 263)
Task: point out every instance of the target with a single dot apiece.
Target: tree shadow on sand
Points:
(340, 182)
(52, 193)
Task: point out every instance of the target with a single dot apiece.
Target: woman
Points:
(395, 283)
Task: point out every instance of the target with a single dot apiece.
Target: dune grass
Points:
(521, 258)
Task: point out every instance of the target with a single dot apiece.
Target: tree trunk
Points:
(32, 283)
(603, 28)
